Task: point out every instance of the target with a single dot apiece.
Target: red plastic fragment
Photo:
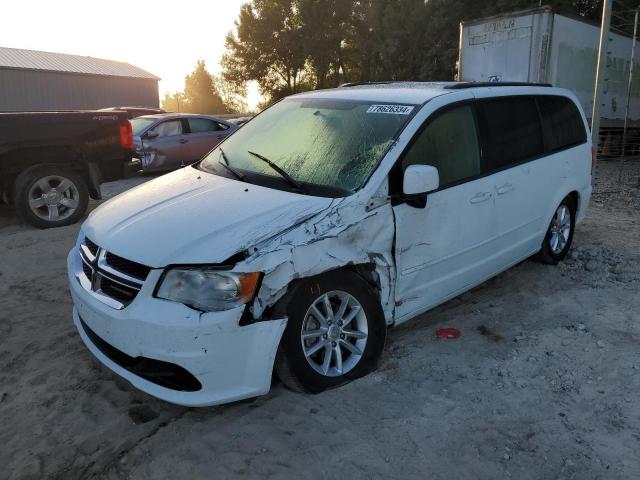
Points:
(448, 333)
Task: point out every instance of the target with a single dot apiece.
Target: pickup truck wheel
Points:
(48, 196)
(335, 332)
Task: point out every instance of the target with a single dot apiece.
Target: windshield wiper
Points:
(289, 179)
(226, 165)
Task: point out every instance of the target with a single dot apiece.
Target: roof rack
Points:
(452, 85)
(357, 84)
(462, 85)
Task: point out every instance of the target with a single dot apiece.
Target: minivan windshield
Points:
(139, 124)
(334, 144)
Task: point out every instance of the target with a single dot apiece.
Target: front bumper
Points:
(231, 362)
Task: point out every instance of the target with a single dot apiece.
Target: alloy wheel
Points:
(334, 333)
(53, 198)
(560, 229)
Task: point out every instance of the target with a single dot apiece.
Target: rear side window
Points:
(449, 142)
(202, 125)
(561, 123)
(511, 131)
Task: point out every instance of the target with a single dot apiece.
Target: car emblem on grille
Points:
(110, 285)
(95, 277)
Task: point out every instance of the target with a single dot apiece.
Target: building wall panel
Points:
(31, 90)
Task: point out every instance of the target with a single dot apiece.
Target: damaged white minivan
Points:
(293, 245)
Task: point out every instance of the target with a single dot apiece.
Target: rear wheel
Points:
(335, 332)
(557, 241)
(50, 196)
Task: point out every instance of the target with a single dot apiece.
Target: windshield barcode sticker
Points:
(392, 109)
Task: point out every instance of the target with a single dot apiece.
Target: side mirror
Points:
(420, 179)
(149, 135)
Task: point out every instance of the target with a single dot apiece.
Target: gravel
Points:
(542, 383)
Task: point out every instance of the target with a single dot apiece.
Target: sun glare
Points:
(165, 38)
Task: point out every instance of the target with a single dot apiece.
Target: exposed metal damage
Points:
(346, 233)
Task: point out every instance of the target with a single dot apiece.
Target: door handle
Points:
(506, 188)
(183, 140)
(481, 197)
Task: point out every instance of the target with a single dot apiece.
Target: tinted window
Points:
(140, 124)
(201, 125)
(168, 129)
(449, 143)
(562, 124)
(511, 131)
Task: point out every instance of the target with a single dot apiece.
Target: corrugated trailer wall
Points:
(573, 61)
(31, 90)
(539, 46)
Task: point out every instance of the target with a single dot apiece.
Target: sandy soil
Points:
(542, 384)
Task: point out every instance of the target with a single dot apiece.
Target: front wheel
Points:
(559, 235)
(335, 332)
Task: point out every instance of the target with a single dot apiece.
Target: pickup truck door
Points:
(166, 146)
(204, 134)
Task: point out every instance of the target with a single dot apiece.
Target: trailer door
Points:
(497, 51)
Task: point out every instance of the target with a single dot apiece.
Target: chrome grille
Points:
(113, 280)
(92, 247)
(123, 265)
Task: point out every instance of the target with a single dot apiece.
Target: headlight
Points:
(207, 289)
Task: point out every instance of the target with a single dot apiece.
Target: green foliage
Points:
(207, 94)
(201, 93)
(233, 96)
(269, 47)
(288, 46)
(174, 102)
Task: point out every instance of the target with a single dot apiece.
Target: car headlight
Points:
(208, 289)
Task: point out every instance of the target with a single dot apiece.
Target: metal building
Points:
(35, 81)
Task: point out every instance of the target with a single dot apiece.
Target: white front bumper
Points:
(231, 362)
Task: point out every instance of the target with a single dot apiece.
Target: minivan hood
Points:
(194, 217)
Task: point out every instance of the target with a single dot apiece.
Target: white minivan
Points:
(332, 215)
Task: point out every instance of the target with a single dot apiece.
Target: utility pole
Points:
(600, 71)
(631, 62)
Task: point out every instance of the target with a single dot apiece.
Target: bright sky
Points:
(164, 37)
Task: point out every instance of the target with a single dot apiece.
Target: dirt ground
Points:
(542, 384)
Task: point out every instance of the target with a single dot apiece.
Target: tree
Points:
(174, 102)
(233, 96)
(323, 26)
(268, 47)
(292, 45)
(201, 93)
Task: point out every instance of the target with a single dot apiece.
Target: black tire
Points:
(546, 254)
(291, 363)
(28, 180)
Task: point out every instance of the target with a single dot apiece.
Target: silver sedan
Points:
(168, 141)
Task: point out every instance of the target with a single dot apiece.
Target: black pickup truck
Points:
(52, 162)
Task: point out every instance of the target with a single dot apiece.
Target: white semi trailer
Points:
(544, 47)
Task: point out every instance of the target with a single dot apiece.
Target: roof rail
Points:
(462, 85)
(357, 84)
